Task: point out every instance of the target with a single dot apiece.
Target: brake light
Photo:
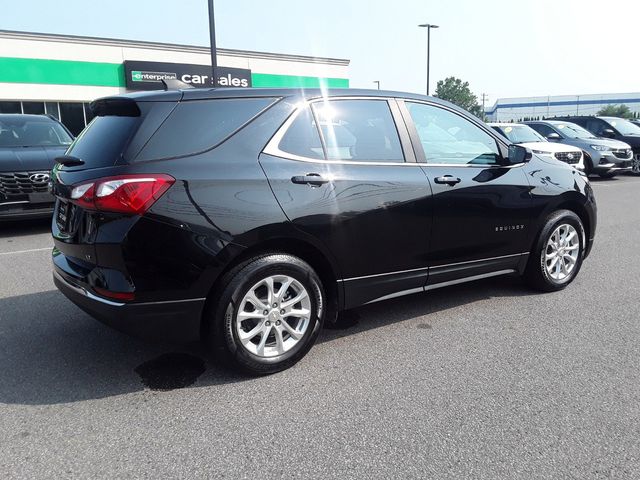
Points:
(132, 194)
(127, 296)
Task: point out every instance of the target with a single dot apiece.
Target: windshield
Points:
(625, 127)
(571, 130)
(521, 134)
(37, 132)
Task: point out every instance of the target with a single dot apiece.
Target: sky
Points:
(503, 48)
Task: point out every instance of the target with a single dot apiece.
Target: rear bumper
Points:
(18, 210)
(176, 321)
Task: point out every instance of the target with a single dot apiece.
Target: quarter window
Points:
(449, 138)
(198, 125)
(358, 130)
(302, 137)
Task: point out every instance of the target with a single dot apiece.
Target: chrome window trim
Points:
(273, 147)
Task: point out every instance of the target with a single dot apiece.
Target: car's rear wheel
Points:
(267, 315)
(556, 257)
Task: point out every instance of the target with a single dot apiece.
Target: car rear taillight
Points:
(132, 194)
(127, 296)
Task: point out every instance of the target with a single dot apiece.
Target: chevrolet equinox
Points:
(248, 217)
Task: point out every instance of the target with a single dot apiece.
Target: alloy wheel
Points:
(273, 316)
(635, 164)
(561, 254)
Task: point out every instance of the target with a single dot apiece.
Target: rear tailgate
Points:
(118, 132)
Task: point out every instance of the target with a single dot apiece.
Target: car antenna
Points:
(173, 84)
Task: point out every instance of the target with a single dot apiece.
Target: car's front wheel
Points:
(635, 164)
(268, 314)
(556, 257)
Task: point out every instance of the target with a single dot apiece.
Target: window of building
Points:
(10, 107)
(51, 108)
(449, 138)
(72, 116)
(360, 130)
(88, 114)
(34, 108)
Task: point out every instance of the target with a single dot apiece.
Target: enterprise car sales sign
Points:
(149, 75)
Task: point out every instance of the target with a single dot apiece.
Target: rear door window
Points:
(359, 130)
(199, 125)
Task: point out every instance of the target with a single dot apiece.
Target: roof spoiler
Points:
(115, 106)
(174, 84)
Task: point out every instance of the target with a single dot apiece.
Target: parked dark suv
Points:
(247, 217)
(28, 146)
(616, 129)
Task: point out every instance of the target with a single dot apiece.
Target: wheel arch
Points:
(305, 250)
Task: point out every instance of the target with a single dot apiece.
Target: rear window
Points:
(196, 126)
(32, 132)
(104, 140)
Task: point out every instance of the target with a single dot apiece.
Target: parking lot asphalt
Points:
(483, 380)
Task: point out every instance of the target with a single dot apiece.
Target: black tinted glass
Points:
(104, 140)
(302, 138)
(10, 107)
(361, 130)
(72, 115)
(31, 132)
(36, 108)
(195, 126)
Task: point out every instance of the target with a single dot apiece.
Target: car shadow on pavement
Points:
(24, 227)
(51, 352)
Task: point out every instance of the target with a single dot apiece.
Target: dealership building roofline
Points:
(114, 42)
(59, 75)
(509, 109)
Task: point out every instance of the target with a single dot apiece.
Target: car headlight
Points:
(540, 152)
(600, 148)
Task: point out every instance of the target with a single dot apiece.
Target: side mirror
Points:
(608, 133)
(518, 154)
(554, 137)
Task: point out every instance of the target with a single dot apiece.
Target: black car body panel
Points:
(25, 167)
(373, 230)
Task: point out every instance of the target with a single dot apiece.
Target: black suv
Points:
(616, 129)
(28, 147)
(248, 217)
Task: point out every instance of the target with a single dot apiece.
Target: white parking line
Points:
(26, 251)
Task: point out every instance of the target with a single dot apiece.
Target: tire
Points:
(635, 165)
(588, 164)
(278, 340)
(541, 272)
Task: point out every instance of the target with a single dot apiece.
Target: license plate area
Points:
(63, 215)
(41, 197)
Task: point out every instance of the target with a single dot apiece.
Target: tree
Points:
(615, 111)
(458, 92)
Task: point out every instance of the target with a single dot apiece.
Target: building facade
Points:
(518, 109)
(60, 74)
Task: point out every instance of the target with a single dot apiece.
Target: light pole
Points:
(212, 43)
(377, 82)
(428, 26)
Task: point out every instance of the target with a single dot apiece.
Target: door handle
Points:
(447, 179)
(313, 179)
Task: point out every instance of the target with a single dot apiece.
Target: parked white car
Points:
(527, 137)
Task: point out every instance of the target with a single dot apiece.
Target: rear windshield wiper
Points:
(69, 161)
